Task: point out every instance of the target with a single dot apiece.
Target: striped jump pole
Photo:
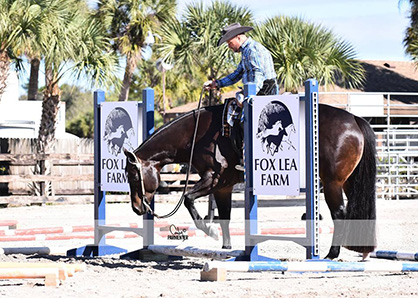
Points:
(8, 224)
(190, 251)
(394, 255)
(312, 266)
(70, 236)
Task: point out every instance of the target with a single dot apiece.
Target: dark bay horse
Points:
(347, 164)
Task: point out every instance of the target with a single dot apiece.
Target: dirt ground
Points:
(111, 276)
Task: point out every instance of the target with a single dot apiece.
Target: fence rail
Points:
(72, 176)
(394, 118)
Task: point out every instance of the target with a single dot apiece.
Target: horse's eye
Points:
(135, 177)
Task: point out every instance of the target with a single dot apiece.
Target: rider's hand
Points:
(210, 85)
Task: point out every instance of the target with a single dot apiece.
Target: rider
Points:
(256, 66)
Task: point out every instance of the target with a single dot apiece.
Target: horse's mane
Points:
(174, 121)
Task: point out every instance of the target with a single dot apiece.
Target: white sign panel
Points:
(119, 129)
(371, 105)
(276, 145)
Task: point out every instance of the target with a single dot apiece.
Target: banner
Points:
(119, 128)
(275, 137)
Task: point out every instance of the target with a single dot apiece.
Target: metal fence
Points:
(394, 118)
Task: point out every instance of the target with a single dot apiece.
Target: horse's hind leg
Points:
(334, 198)
(223, 201)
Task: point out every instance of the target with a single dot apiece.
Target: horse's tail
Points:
(360, 225)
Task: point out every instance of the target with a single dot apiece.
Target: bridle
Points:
(138, 166)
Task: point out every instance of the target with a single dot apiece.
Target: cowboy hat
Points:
(231, 31)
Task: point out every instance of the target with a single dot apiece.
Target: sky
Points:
(375, 28)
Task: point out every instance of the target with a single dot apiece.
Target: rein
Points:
(180, 202)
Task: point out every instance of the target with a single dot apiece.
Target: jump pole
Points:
(394, 255)
(190, 251)
(312, 266)
(100, 247)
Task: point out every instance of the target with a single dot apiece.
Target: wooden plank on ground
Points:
(51, 275)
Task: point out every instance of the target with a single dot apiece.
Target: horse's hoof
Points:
(330, 256)
(213, 232)
(226, 247)
(303, 217)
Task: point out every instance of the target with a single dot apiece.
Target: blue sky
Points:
(375, 28)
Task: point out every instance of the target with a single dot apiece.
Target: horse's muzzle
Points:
(138, 208)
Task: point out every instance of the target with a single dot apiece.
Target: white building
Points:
(21, 118)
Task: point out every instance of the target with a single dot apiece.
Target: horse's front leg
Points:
(223, 201)
(200, 189)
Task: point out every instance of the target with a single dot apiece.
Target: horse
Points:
(347, 164)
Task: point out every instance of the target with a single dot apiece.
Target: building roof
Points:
(386, 76)
(382, 76)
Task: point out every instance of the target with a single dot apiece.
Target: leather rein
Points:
(181, 200)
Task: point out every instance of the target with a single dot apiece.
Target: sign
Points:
(119, 128)
(275, 132)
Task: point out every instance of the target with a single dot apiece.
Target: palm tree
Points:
(19, 21)
(70, 41)
(192, 42)
(35, 63)
(128, 22)
(302, 50)
(411, 34)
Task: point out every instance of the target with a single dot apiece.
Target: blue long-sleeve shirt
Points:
(256, 66)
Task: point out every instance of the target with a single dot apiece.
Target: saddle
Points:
(231, 124)
(230, 116)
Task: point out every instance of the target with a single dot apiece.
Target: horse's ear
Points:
(130, 155)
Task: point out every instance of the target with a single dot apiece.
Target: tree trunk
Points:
(4, 71)
(33, 79)
(163, 77)
(131, 62)
(46, 136)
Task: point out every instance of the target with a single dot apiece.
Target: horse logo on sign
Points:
(118, 131)
(275, 128)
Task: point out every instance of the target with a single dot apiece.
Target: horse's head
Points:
(143, 179)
